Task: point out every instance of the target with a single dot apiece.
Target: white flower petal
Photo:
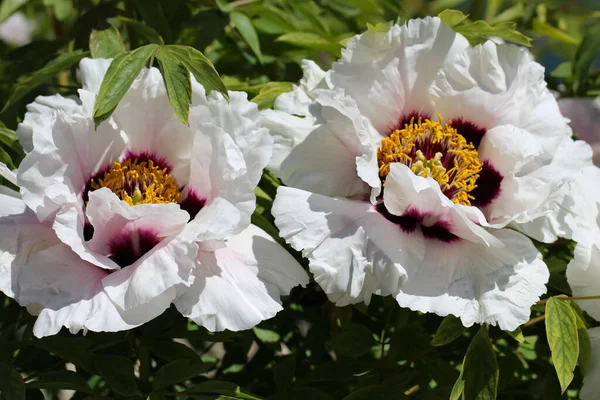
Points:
(591, 381)
(389, 73)
(16, 30)
(477, 283)
(67, 152)
(66, 291)
(91, 73)
(354, 252)
(41, 113)
(240, 284)
(489, 84)
(218, 174)
(583, 275)
(406, 191)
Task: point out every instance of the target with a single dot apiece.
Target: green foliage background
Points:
(311, 350)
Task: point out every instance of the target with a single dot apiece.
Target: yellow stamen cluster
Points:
(404, 146)
(139, 182)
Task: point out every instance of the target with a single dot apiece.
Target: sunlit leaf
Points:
(120, 75)
(177, 80)
(310, 41)
(450, 329)
(269, 92)
(561, 329)
(242, 23)
(106, 43)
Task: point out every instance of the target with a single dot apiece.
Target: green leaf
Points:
(284, 372)
(479, 31)
(73, 349)
(5, 158)
(143, 30)
(61, 380)
(585, 345)
(380, 27)
(169, 350)
(106, 43)
(480, 368)
(517, 334)
(354, 341)
(12, 386)
(120, 75)
(450, 329)
(269, 92)
(452, 17)
(266, 336)
(200, 66)
(178, 371)
(228, 390)
(47, 72)
(242, 23)
(459, 386)
(561, 329)
(8, 7)
(585, 56)
(304, 393)
(117, 371)
(554, 33)
(310, 41)
(375, 392)
(178, 83)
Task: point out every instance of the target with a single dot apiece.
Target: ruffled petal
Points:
(67, 153)
(42, 113)
(219, 175)
(324, 159)
(240, 284)
(591, 380)
(389, 73)
(91, 73)
(354, 251)
(488, 85)
(407, 192)
(583, 275)
(65, 291)
(477, 283)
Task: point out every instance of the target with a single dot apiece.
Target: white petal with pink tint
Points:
(240, 284)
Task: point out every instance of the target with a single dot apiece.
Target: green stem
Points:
(544, 301)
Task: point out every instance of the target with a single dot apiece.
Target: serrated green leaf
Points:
(354, 341)
(517, 334)
(177, 80)
(12, 386)
(587, 52)
(117, 371)
(178, 371)
(374, 392)
(61, 380)
(106, 43)
(480, 31)
(200, 66)
(269, 93)
(8, 7)
(450, 329)
(452, 17)
(284, 372)
(266, 335)
(47, 72)
(120, 75)
(143, 30)
(480, 368)
(310, 41)
(242, 23)
(561, 329)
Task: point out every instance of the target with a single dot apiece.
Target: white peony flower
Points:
(407, 161)
(591, 379)
(142, 213)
